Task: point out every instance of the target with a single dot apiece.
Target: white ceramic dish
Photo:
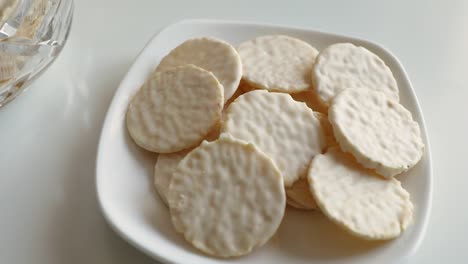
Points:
(129, 203)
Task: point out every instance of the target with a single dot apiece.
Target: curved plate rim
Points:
(107, 122)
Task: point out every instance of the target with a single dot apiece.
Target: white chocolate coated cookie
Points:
(226, 197)
(167, 163)
(286, 130)
(163, 170)
(175, 109)
(379, 132)
(357, 199)
(277, 63)
(211, 54)
(343, 65)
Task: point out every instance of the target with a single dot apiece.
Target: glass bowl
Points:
(32, 34)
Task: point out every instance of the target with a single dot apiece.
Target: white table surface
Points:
(48, 136)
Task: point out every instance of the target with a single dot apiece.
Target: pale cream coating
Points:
(379, 132)
(286, 130)
(277, 63)
(227, 197)
(343, 65)
(175, 109)
(211, 54)
(357, 199)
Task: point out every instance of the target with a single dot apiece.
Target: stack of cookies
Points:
(242, 132)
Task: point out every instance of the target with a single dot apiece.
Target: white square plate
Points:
(124, 173)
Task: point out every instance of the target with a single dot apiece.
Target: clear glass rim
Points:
(56, 26)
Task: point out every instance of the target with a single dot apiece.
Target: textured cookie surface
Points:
(167, 163)
(211, 54)
(163, 170)
(300, 196)
(175, 109)
(299, 193)
(379, 132)
(344, 65)
(277, 63)
(226, 197)
(357, 199)
(284, 129)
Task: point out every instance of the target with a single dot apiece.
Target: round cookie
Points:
(379, 132)
(300, 196)
(163, 170)
(357, 199)
(277, 63)
(343, 65)
(211, 54)
(299, 192)
(164, 117)
(284, 129)
(167, 163)
(226, 197)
